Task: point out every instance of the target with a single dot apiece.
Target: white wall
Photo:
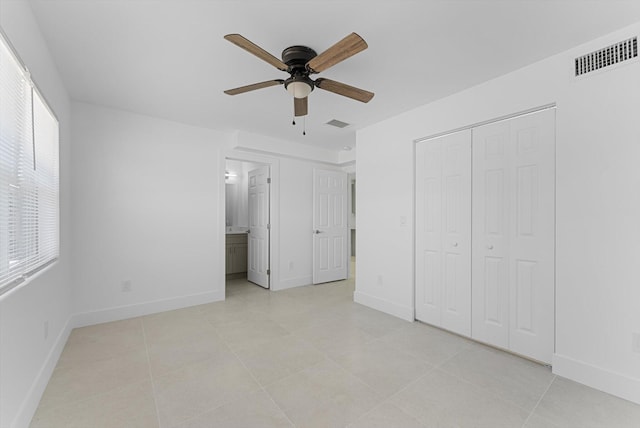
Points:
(26, 357)
(146, 209)
(598, 232)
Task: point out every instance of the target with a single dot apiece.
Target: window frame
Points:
(30, 200)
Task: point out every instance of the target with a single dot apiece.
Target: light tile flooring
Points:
(304, 357)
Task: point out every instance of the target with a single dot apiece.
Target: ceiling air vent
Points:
(608, 56)
(337, 123)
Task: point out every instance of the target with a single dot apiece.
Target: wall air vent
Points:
(608, 56)
(337, 123)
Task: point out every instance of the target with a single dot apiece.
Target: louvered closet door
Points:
(443, 234)
(513, 234)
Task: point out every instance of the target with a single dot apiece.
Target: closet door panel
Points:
(428, 231)
(443, 235)
(491, 179)
(456, 242)
(513, 254)
(532, 240)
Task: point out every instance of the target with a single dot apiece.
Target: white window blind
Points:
(29, 210)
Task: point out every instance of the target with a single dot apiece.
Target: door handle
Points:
(490, 247)
(317, 231)
(455, 244)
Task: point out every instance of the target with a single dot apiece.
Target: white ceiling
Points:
(168, 58)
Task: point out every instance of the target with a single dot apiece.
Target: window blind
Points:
(29, 183)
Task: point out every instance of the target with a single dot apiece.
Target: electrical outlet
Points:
(46, 330)
(127, 286)
(636, 342)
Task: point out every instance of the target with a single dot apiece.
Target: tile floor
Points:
(304, 357)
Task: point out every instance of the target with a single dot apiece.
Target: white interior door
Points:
(514, 234)
(443, 232)
(330, 256)
(258, 237)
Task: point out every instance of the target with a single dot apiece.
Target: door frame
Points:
(274, 212)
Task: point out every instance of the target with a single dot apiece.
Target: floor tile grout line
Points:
(222, 404)
(95, 394)
(481, 388)
(153, 383)
(228, 348)
(262, 387)
(553, 379)
(413, 382)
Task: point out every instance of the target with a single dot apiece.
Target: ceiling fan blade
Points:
(252, 48)
(345, 48)
(243, 89)
(300, 106)
(344, 90)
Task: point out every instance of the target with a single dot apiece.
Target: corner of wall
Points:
(32, 400)
(403, 312)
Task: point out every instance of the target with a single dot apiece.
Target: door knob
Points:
(490, 247)
(455, 244)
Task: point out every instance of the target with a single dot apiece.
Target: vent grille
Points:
(337, 123)
(608, 56)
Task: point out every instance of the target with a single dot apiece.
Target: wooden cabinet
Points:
(236, 254)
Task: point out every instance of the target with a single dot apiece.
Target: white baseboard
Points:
(404, 312)
(596, 377)
(293, 282)
(147, 308)
(30, 404)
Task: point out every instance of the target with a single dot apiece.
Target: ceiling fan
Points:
(300, 62)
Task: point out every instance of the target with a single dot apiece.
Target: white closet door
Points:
(514, 234)
(428, 231)
(532, 241)
(443, 234)
(490, 306)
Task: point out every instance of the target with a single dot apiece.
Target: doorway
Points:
(247, 225)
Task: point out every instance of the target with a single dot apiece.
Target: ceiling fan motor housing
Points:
(296, 58)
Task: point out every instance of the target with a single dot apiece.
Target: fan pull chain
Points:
(304, 125)
(294, 122)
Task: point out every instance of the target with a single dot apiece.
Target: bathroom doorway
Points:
(247, 225)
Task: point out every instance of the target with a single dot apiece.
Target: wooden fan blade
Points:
(243, 89)
(345, 48)
(300, 106)
(256, 50)
(344, 90)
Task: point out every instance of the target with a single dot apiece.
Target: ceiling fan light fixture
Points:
(299, 88)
